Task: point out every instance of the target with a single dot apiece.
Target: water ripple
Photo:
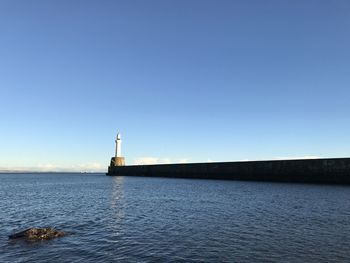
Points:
(131, 219)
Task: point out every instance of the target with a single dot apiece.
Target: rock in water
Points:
(33, 234)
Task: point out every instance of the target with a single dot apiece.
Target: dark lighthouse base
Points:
(326, 171)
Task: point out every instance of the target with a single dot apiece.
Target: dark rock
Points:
(33, 234)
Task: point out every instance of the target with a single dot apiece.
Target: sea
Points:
(139, 219)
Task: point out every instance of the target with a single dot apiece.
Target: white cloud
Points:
(280, 158)
(298, 157)
(165, 161)
(156, 160)
(49, 167)
(146, 160)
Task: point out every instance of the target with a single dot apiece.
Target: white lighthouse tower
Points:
(118, 160)
(118, 146)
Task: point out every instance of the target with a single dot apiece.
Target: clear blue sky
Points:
(184, 80)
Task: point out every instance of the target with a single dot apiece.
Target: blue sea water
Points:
(136, 219)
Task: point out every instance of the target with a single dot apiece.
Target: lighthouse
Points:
(118, 160)
(118, 146)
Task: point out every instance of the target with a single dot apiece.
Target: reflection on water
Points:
(117, 204)
(117, 192)
(136, 219)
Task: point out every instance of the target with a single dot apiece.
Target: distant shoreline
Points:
(42, 172)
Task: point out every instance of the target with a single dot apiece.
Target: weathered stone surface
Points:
(33, 234)
(117, 161)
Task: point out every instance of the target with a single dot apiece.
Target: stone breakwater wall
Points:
(327, 171)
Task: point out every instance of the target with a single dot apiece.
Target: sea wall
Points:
(328, 171)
